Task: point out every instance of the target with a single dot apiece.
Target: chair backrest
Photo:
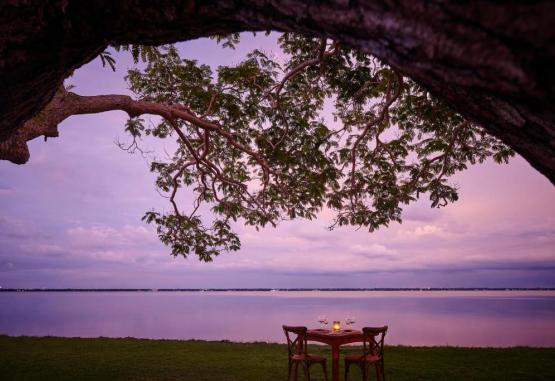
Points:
(373, 340)
(296, 339)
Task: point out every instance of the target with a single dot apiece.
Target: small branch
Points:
(176, 185)
(297, 69)
(374, 122)
(209, 108)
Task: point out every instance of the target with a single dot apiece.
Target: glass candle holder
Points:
(336, 325)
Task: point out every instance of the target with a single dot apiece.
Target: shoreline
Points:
(377, 289)
(225, 341)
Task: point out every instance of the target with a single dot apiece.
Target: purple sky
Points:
(71, 218)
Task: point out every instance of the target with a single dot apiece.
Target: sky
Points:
(71, 217)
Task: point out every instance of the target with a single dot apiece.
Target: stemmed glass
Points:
(350, 319)
(323, 320)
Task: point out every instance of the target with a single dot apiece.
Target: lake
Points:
(459, 318)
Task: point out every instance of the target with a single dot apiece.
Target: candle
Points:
(336, 325)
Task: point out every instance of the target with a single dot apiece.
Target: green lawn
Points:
(53, 358)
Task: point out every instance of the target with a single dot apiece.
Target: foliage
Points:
(259, 148)
(107, 59)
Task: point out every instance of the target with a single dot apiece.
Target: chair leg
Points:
(296, 371)
(378, 372)
(306, 372)
(364, 369)
(325, 368)
(347, 366)
(289, 371)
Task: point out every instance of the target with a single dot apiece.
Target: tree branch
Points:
(375, 122)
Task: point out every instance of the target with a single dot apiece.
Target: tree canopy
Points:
(472, 55)
(272, 138)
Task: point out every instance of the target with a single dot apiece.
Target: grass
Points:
(55, 358)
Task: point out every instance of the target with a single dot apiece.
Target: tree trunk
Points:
(492, 61)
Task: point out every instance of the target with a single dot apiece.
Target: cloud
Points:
(107, 236)
(6, 191)
(99, 243)
(14, 229)
(129, 243)
(298, 246)
(421, 211)
(424, 231)
(42, 249)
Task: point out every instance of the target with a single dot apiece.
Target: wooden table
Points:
(334, 339)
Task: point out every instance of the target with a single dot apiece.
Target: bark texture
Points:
(493, 61)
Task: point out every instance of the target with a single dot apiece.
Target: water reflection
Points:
(415, 318)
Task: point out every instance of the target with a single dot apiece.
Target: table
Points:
(335, 339)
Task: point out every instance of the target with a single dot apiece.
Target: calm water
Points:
(463, 318)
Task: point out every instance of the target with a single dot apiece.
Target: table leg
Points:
(335, 362)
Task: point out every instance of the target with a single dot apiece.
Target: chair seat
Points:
(311, 358)
(360, 358)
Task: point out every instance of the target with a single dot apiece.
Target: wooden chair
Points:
(372, 353)
(297, 349)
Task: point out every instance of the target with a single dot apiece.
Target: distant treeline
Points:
(265, 289)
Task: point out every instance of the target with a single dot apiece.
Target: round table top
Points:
(329, 333)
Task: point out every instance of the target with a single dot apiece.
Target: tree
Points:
(253, 145)
(491, 61)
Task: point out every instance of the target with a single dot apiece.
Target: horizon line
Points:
(112, 289)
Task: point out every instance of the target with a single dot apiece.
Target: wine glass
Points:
(323, 320)
(350, 319)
